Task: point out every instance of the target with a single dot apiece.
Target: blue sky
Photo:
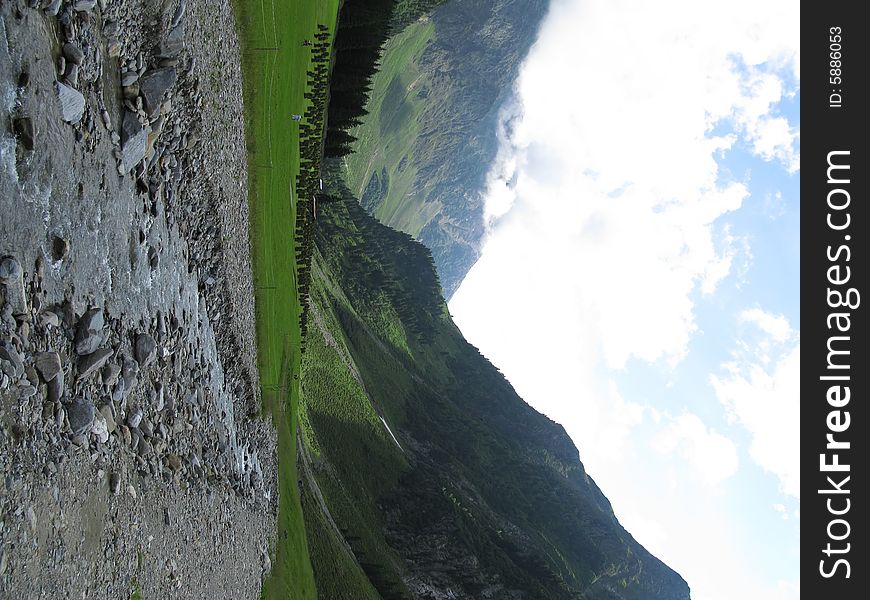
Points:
(646, 201)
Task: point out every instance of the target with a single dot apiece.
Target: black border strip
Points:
(833, 262)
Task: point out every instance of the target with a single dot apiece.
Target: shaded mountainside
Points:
(423, 152)
(423, 474)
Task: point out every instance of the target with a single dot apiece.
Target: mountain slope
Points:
(421, 461)
(429, 139)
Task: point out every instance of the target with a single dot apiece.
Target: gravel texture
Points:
(132, 451)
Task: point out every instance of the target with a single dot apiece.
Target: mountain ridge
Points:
(426, 146)
(442, 480)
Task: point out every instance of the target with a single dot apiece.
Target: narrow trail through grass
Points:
(274, 65)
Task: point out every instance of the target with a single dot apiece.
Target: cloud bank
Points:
(605, 232)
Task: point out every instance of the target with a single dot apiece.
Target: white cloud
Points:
(763, 395)
(782, 510)
(604, 211)
(711, 455)
(775, 326)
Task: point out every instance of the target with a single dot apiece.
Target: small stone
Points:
(173, 44)
(154, 85)
(31, 519)
(114, 483)
(179, 14)
(73, 53)
(110, 374)
(174, 462)
(32, 375)
(93, 361)
(129, 78)
(72, 103)
(89, 332)
(26, 391)
(10, 356)
(56, 388)
(126, 435)
(81, 417)
(131, 491)
(47, 364)
(135, 417)
(107, 414)
(71, 75)
(53, 8)
(59, 248)
(10, 270)
(12, 276)
(100, 429)
(23, 129)
(134, 140)
(48, 319)
(145, 350)
(84, 5)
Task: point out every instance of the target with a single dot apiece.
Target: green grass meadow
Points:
(274, 68)
(390, 131)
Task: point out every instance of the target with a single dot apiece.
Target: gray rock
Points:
(53, 8)
(26, 391)
(134, 141)
(89, 332)
(48, 365)
(23, 129)
(72, 103)
(100, 429)
(153, 87)
(10, 270)
(108, 414)
(56, 387)
(71, 76)
(114, 483)
(110, 374)
(134, 418)
(73, 53)
(129, 78)
(59, 248)
(173, 461)
(48, 319)
(179, 14)
(10, 357)
(84, 5)
(12, 276)
(111, 28)
(173, 44)
(81, 417)
(129, 371)
(145, 350)
(93, 361)
(32, 375)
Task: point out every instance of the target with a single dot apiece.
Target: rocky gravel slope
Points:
(132, 452)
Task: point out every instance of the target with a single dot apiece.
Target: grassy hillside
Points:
(274, 68)
(424, 149)
(434, 472)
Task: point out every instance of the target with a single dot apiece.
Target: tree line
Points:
(363, 28)
(311, 132)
